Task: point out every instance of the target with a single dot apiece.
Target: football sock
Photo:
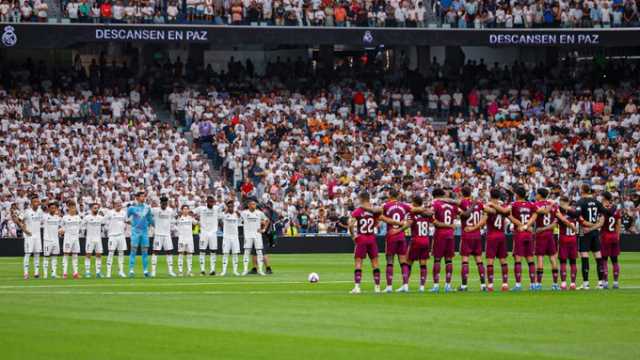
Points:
(599, 264)
(87, 264)
(74, 263)
(436, 271)
(563, 270)
(25, 263)
(145, 259)
(405, 273)
(132, 258)
(376, 276)
(189, 262)
(423, 274)
(465, 273)
(539, 274)
(225, 261)
(585, 268)
(389, 274)
(54, 264)
(616, 268)
(202, 258)
(109, 262)
(554, 275)
(98, 264)
(574, 270)
(260, 257)
(490, 273)
(604, 263)
(36, 263)
(481, 273)
(245, 259)
(505, 273)
(45, 266)
(448, 271)
(214, 260)
(234, 262)
(65, 263)
(517, 269)
(170, 262)
(532, 272)
(120, 261)
(180, 262)
(154, 263)
(357, 276)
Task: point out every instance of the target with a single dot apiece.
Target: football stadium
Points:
(319, 179)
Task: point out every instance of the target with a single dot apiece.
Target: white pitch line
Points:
(147, 293)
(172, 284)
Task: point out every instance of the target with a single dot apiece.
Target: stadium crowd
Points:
(379, 13)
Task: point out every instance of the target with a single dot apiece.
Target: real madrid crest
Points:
(367, 38)
(9, 37)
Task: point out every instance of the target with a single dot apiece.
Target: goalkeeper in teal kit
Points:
(141, 218)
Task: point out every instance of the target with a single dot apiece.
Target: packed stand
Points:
(307, 144)
(66, 136)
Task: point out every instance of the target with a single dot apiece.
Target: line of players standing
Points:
(587, 225)
(43, 230)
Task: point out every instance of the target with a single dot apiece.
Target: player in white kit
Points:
(30, 222)
(93, 224)
(230, 238)
(51, 246)
(164, 218)
(71, 224)
(254, 223)
(116, 222)
(208, 217)
(184, 224)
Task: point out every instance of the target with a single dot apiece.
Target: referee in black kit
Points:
(592, 214)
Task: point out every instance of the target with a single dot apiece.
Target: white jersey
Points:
(52, 225)
(163, 219)
(230, 223)
(252, 222)
(93, 224)
(208, 218)
(116, 222)
(185, 228)
(71, 226)
(33, 221)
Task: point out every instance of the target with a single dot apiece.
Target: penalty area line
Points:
(151, 283)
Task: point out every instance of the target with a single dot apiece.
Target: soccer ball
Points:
(314, 278)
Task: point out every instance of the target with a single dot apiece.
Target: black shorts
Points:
(589, 242)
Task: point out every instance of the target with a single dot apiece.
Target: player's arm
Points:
(264, 223)
(351, 226)
(479, 225)
(503, 210)
(531, 221)
(390, 221)
(372, 209)
(451, 201)
(422, 210)
(16, 220)
(488, 209)
(545, 228)
(443, 225)
(515, 221)
(566, 221)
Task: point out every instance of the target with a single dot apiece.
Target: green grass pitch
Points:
(284, 317)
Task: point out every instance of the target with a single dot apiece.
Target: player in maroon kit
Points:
(396, 245)
(444, 214)
(419, 248)
(496, 245)
(523, 216)
(362, 227)
(568, 225)
(473, 220)
(545, 243)
(610, 239)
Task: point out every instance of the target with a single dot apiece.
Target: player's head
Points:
(437, 193)
(466, 192)
(521, 193)
(211, 201)
(585, 189)
(252, 205)
(94, 208)
(184, 210)
(417, 201)
(141, 196)
(542, 193)
(35, 201)
(229, 206)
(117, 205)
(495, 194)
(607, 198)
(164, 202)
(73, 209)
(53, 207)
(393, 194)
(364, 198)
(564, 200)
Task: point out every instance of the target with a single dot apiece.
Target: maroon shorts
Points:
(522, 244)
(364, 248)
(419, 251)
(496, 246)
(568, 250)
(396, 248)
(610, 245)
(444, 247)
(471, 246)
(545, 245)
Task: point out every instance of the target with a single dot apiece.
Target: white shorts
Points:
(208, 241)
(185, 246)
(251, 242)
(71, 246)
(230, 245)
(92, 246)
(51, 248)
(162, 242)
(32, 245)
(117, 242)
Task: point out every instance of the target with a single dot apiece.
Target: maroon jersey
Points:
(610, 221)
(496, 223)
(567, 235)
(473, 219)
(445, 213)
(397, 211)
(522, 211)
(546, 219)
(366, 223)
(420, 228)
